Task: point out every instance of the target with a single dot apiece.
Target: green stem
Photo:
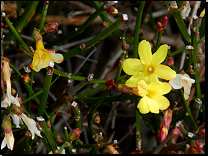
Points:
(181, 26)
(78, 123)
(16, 34)
(186, 107)
(31, 6)
(147, 123)
(202, 28)
(104, 17)
(43, 16)
(48, 134)
(79, 31)
(46, 144)
(64, 145)
(95, 40)
(158, 39)
(138, 126)
(166, 4)
(194, 55)
(45, 92)
(137, 28)
(118, 73)
(28, 93)
(18, 8)
(180, 4)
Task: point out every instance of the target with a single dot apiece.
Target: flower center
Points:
(147, 93)
(150, 70)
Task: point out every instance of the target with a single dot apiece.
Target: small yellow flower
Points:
(42, 56)
(152, 96)
(149, 67)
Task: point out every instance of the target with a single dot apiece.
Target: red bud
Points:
(109, 83)
(74, 134)
(159, 26)
(50, 27)
(199, 143)
(26, 78)
(201, 133)
(170, 61)
(176, 131)
(193, 149)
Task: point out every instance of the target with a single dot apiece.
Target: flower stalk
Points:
(137, 29)
(43, 16)
(187, 109)
(194, 55)
(45, 92)
(47, 133)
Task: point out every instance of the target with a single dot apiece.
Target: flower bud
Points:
(17, 110)
(170, 61)
(13, 91)
(74, 134)
(105, 24)
(111, 10)
(96, 118)
(7, 126)
(26, 78)
(124, 89)
(49, 27)
(164, 127)
(28, 134)
(193, 149)
(164, 21)
(159, 26)
(48, 124)
(201, 133)
(199, 143)
(176, 131)
(136, 152)
(36, 35)
(109, 83)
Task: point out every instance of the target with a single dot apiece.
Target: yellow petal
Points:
(58, 58)
(133, 80)
(153, 106)
(163, 102)
(164, 72)
(44, 61)
(144, 51)
(39, 44)
(36, 60)
(157, 89)
(202, 13)
(152, 78)
(142, 106)
(159, 56)
(132, 66)
(142, 88)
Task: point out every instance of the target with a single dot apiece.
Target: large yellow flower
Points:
(152, 96)
(42, 56)
(149, 67)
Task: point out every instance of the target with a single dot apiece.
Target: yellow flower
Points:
(152, 96)
(42, 56)
(149, 67)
